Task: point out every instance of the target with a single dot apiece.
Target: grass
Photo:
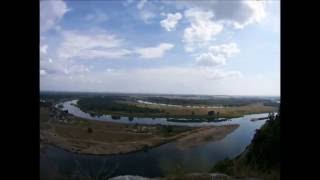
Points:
(44, 115)
(124, 106)
(105, 137)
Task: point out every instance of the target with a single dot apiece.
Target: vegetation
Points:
(127, 105)
(262, 156)
(265, 147)
(45, 104)
(211, 101)
(102, 104)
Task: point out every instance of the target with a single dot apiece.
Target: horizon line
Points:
(68, 91)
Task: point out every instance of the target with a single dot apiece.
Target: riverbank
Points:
(204, 135)
(101, 138)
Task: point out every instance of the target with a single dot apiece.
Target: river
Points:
(155, 162)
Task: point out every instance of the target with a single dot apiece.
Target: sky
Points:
(159, 46)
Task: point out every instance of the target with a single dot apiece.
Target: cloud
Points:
(51, 12)
(208, 59)
(79, 45)
(141, 4)
(43, 49)
(217, 54)
(226, 50)
(42, 72)
(238, 13)
(159, 80)
(77, 69)
(217, 74)
(171, 21)
(146, 16)
(91, 46)
(202, 28)
(96, 17)
(146, 11)
(272, 20)
(154, 52)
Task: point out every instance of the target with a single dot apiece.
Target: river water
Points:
(159, 161)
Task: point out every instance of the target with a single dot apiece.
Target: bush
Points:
(210, 113)
(222, 166)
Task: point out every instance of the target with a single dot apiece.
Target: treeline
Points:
(111, 103)
(211, 102)
(55, 97)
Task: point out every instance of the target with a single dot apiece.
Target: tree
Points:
(211, 113)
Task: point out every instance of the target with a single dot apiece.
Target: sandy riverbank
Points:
(204, 135)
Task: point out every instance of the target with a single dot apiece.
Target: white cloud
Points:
(108, 54)
(208, 59)
(171, 21)
(102, 45)
(50, 60)
(202, 28)
(91, 46)
(51, 12)
(256, 14)
(217, 74)
(42, 72)
(217, 54)
(159, 80)
(272, 20)
(78, 69)
(258, 11)
(96, 17)
(154, 52)
(226, 50)
(146, 16)
(146, 11)
(237, 13)
(141, 4)
(43, 49)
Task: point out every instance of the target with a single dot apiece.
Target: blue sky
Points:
(181, 47)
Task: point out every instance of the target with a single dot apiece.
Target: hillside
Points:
(261, 158)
